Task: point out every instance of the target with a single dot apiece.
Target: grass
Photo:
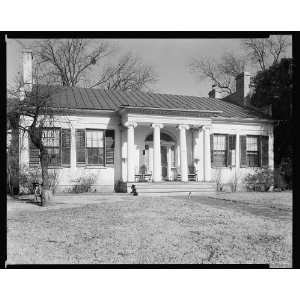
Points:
(152, 230)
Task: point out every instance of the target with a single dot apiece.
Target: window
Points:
(57, 142)
(254, 151)
(51, 141)
(223, 150)
(95, 147)
(219, 150)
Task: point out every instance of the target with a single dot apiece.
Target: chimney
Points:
(214, 93)
(243, 87)
(27, 69)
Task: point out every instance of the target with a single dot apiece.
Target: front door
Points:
(164, 161)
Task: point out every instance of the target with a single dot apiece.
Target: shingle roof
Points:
(88, 98)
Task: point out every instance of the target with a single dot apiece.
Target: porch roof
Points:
(99, 99)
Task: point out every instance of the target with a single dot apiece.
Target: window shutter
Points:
(243, 151)
(264, 151)
(109, 147)
(34, 154)
(228, 156)
(65, 146)
(212, 150)
(80, 146)
(231, 149)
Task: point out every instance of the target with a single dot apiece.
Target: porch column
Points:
(156, 152)
(130, 150)
(198, 152)
(183, 152)
(73, 147)
(207, 159)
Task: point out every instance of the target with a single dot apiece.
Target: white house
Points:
(160, 141)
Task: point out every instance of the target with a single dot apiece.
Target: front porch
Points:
(168, 149)
(171, 188)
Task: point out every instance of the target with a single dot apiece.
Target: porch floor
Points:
(173, 187)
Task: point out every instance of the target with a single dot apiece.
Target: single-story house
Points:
(160, 141)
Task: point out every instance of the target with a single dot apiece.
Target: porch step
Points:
(173, 187)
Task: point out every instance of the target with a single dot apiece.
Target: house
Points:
(160, 141)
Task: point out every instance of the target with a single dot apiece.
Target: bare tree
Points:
(266, 52)
(31, 112)
(221, 73)
(73, 62)
(67, 61)
(128, 74)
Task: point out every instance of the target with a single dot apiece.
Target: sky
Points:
(169, 58)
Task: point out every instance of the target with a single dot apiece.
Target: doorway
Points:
(164, 162)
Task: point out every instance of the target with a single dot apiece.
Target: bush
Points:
(286, 172)
(83, 184)
(260, 181)
(27, 178)
(218, 179)
(30, 176)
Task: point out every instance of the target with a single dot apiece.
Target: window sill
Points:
(224, 167)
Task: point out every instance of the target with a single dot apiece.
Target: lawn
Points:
(153, 230)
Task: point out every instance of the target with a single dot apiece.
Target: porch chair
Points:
(192, 174)
(144, 175)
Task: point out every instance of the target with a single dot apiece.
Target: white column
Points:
(117, 154)
(124, 154)
(130, 150)
(156, 152)
(183, 152)
(73, 147)
(271, 148)
(237, 152)
(207, 161)
(198, 152)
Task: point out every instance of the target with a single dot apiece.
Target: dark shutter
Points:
(264, 151)
(80, 146)
(109, 147)
(34, 154)
(228, 157)
(231, 147)
(65, 146)
(212, 150)
(243, 151)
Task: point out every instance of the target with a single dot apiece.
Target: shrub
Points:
(27, 178)
(83, 184)
(234, 181)
(218, 178)
(260, 181)
(30, 176)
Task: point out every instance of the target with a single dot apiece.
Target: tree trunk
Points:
(46, 192)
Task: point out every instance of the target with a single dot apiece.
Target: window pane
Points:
(50, 137)
(95, 156)
(219, 158)
(219, 142)
(251, 143)
(53, 156)
(252, 159)
(94, 138)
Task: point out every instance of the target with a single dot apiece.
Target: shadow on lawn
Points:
(262, 210)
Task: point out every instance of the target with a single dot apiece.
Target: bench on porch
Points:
(192, 174)
(143, 177)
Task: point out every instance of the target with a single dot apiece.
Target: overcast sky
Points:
(168, 57)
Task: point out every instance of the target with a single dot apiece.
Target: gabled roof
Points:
(98, 99)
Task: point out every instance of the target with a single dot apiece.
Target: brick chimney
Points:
(214, 93)
(27, 69)
(243, 88)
